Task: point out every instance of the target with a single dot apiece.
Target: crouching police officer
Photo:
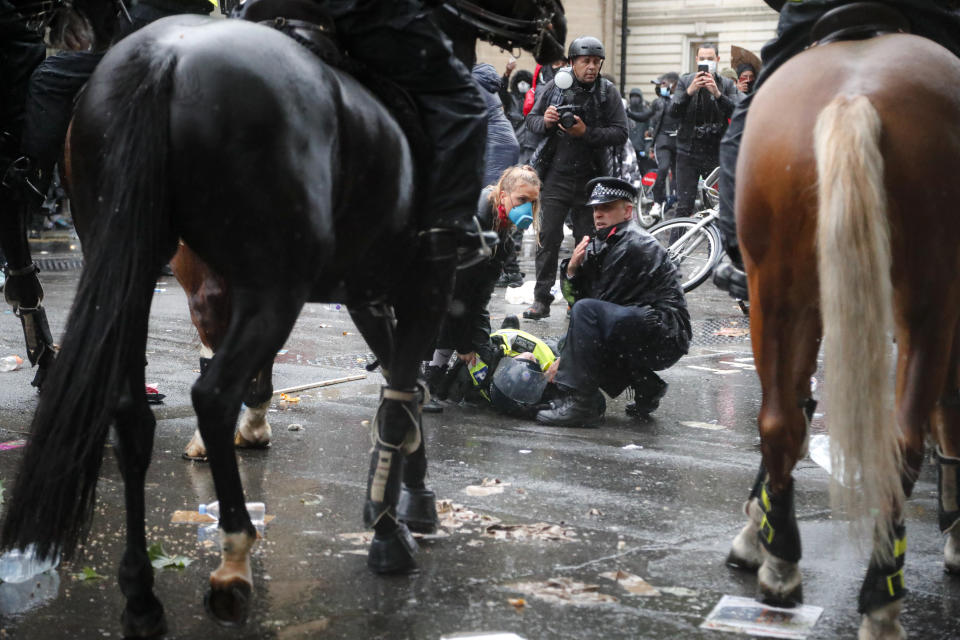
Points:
(629, 316)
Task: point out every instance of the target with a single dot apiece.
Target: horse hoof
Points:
(882, 624)
(242, 443)
(393, 553)
(229, 604)
(195, 449)
(417, 508)
(951, 551)
(145, 625)
(746, 553)
(780, 583)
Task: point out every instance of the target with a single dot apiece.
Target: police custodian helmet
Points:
(609, 189)
(585, 46)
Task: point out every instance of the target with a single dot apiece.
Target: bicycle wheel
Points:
(694, 253)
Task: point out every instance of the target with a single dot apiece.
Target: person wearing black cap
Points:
(629, 316)
(584, 144)
(938, 20)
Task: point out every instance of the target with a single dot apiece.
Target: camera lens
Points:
(567, 119)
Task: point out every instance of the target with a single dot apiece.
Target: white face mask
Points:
(711, 65)
(523, 86)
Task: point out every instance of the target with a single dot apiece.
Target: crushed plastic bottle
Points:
(10, 363)
(257, 511)
(19, 566)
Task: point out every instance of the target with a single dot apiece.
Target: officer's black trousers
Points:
(610, 346)
(928, 18)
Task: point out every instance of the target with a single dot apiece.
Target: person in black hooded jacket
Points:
(938, 20)
(629, 316)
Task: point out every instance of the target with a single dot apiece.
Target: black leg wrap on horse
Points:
(204, 365)
(809, 406)
(39, 340)
(258, 391)
(884, 582)
(779, 533)
(386, 459)
(948, 483)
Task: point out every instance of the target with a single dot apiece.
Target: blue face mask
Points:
(664, 92)
(521, 215)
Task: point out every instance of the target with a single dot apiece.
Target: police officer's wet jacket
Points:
(627, 266)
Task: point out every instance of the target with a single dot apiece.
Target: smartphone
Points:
(702, 68)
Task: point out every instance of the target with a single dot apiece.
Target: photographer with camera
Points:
(702, 102)
(584, 125)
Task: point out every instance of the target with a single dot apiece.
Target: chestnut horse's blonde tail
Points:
(856, 297)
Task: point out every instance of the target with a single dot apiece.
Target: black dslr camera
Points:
(568, 115)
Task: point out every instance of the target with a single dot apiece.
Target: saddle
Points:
(858, 21)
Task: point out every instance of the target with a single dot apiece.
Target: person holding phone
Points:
(702, 103)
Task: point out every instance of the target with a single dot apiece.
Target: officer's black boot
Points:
(648, 390)
(574, 409)
(433, 375)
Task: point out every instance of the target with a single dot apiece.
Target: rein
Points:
(493, 26)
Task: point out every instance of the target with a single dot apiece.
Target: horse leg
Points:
(922, 376)
(260, 324)
(254, 431)
(946, 433)
(785, 333)
(143, 615)
(417, 505)
(398, 426)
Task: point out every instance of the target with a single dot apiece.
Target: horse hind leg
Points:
(254, 431)
(260, 324)
(922, 375)
(946, 433)
(143, 615)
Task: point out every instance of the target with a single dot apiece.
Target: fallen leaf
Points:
(477, 490)
(88, 573)
(161, 560)
(683, 592)
(634, 584)
(536, 531)
(563, 591)
(517, 603)
(594, 512)
(455, 516)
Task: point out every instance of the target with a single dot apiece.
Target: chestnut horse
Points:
(846, 212)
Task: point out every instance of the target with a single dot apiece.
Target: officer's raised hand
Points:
(551, 117)
(576, 130)
(577, 259)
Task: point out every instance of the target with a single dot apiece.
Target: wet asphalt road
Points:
(664, 509)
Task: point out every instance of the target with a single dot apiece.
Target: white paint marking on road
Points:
(719, 372)
(739, 365)
(710, 426)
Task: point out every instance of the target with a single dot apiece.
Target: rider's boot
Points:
(475, 245)
(732, 276)
(22, 289)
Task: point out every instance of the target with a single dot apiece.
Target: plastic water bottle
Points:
(19, 566)
(10, 363)
(257, 511)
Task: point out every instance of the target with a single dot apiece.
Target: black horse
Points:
(306, 211)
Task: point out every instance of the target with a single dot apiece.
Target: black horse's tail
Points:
(129, 239)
